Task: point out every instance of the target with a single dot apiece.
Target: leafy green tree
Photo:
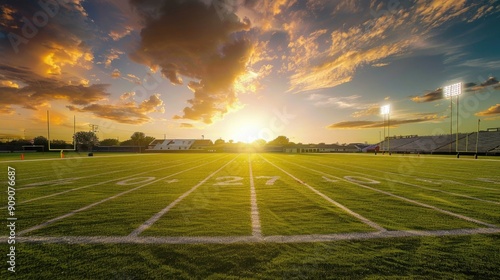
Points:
(259, 142)
(86, 139)
(219, 142)
(128, 142)
(147, 140)
(138, 139)
(279, 141)
(110, 142)
(58, 144)
(42, 141)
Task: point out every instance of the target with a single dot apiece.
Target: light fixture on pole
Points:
(451, 91)
(385, 111)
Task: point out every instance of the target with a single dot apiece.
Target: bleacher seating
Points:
(488, 142)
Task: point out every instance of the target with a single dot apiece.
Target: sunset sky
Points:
(312, 70)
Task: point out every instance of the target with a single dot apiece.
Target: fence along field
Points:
(252, 199)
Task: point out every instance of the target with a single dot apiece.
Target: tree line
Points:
(85, 141)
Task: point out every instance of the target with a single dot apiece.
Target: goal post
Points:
(48, 135)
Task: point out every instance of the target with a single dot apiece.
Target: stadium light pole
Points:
(451, 91)
(385, 111)
(477, 136)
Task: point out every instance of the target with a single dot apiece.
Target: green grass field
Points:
(252, 216)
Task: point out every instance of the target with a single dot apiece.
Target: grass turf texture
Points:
(127, 190)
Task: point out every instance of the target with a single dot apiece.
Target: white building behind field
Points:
(179, 144)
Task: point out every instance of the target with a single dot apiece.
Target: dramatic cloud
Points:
(326, 57)
(186, 125)
(112, 55)
(49, 37)
(38, 90)
(116, 74)
(429, 96)
(471, 87)
(128, 112)
(197, 43)
(369, 110)
(493, 110)
(378, 124)
(339, 102)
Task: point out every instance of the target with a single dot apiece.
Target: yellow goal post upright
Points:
(48, 136)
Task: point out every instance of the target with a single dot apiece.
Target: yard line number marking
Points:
(135, 181)
(229, 181)
(235, 180)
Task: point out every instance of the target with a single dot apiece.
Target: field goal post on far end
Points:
(48, 136)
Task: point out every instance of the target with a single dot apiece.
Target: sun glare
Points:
(246, 129)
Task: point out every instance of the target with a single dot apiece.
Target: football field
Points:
(266, 216)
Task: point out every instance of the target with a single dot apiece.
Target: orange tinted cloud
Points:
(198, 44)
(493, 110)
(378, 124)
(382, 32)
(128, 112)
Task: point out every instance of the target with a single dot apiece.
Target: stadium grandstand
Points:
(486, 142)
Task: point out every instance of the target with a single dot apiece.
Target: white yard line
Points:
(418, 178)
(403, 198)
(158, 215)
(409, 184)
(104, 200)
(250, 239)
(97, 184)
(71, 157)
(119, 167)
(70, 179)
(256, 227)
(352, 213)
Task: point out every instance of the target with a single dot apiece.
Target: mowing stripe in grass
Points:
(256, 228)
(426, 173)
(86, 169)
(352, 213)
(104, 200)
(100, 183)
(250, 239)
(409, 184)
(68, 158)
(37, 185)
(158, 215)
(400, 197)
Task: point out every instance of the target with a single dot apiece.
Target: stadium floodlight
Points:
(386, 111)
(450, 91)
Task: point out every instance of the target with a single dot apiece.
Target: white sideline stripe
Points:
(405, 199)
(419, 179)
(97, 184)
(256, 227)
(158, 215)
(409, 184)
(68, 158)
(250, 239)
(80, 170)
(102, 201)
(352, 213)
